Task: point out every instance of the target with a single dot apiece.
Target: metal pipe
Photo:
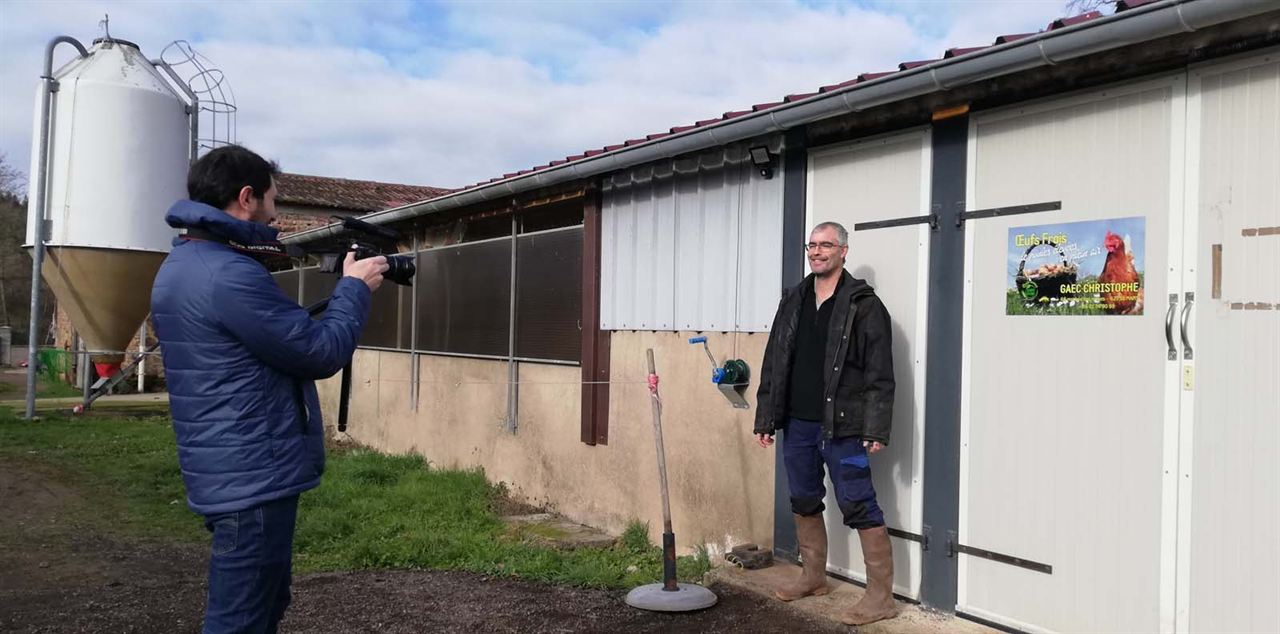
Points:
(142, 360)
(1044, 49)
(35, 217)
(193, 108)
(85, 375)
(413, 331)
(513, 388)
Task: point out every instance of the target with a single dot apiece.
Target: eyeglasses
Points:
(825, 246)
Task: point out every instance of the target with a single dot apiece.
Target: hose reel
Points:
(731, 379)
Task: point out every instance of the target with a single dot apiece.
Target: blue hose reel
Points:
(731, 379)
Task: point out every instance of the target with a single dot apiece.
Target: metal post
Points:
(193, 109)
(85, 375)
(939, 568)
(142, 363)
(413, 330)
(795, 162)
(513, 394)
(36, 217)
(6, 346)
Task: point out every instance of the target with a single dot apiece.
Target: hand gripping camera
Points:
(376, 241)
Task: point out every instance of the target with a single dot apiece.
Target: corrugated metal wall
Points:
(695, 244)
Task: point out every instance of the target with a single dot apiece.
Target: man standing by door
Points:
(827, 380)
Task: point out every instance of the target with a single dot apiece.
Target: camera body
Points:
(401, 268)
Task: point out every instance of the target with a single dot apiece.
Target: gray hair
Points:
(842, 234)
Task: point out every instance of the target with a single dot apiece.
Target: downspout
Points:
(36, 216)
(1044, 49)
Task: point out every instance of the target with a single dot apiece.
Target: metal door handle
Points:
(1186, 315)
(1168, 326)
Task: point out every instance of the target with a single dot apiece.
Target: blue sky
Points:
(450, 93)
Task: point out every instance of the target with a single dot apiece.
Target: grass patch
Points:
(44, 389)
(127, 466)
(371, 511)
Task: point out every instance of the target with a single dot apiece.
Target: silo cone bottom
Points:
(106, 370)
(105, 292)
(688, 598)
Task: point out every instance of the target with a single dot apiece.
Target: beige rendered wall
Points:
(721, 481)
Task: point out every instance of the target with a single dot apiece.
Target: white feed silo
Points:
(118, 150)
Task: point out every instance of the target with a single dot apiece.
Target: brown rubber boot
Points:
(811, 532)
(877, 604)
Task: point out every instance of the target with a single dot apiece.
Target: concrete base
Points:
(910, 620)
(687, 599)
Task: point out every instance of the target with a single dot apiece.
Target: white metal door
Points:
(1229, 510)
(1068, 439)
(877, 179)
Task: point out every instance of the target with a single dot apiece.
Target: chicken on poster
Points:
(1079, 268)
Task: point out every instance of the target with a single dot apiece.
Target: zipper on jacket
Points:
(842, 347)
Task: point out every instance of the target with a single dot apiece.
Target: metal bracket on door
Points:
(932, 219)
(1168, 327)
(954, 546)
(923, 539)
(995, 212)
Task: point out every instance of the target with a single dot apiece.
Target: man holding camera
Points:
(241, 360)
(827, 379)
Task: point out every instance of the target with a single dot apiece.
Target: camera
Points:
(400, 268)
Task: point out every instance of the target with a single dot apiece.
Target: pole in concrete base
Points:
(668, 596)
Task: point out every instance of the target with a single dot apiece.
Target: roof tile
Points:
(1062, 23)
(345, 193)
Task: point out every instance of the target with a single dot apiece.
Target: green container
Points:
(53, 364)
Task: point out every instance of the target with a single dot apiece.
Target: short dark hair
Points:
(842, 234)
(216, 178)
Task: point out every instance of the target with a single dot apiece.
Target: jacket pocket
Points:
(300, 402)
(850, 412)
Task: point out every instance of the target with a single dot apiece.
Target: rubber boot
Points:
(811, 532)
(877, 604)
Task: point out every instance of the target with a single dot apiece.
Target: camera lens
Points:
(400, 269)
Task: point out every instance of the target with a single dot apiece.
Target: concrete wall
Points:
(721, 482)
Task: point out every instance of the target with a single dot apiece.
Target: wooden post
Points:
(668, 537)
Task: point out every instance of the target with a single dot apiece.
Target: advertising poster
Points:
(1079, 268)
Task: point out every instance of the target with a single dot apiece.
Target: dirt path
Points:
(56, 576)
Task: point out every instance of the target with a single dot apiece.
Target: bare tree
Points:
(1077, 7)
(13, 183)
(15, 265)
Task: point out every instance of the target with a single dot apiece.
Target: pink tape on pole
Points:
(653, 384)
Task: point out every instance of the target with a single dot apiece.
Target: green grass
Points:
(44, 389)
(125, 466)
(372, 511)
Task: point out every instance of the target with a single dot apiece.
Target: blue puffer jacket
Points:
(241, 360)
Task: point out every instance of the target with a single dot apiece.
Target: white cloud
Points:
(456, 93)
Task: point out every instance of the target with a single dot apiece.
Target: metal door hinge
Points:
(954, 547)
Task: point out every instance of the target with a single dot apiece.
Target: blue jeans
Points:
(250, 568)
(804, 452)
